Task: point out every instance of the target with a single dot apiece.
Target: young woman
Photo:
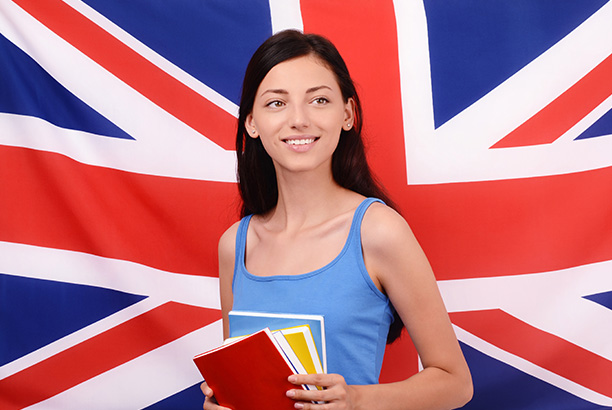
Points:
(314, 240)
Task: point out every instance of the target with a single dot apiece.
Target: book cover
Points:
(291, 356)
(302, 343)
(249, 373)
(246, 322)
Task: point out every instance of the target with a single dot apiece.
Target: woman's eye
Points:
(275, 104)
(321, 100)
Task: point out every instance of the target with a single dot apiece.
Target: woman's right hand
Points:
(210, 403)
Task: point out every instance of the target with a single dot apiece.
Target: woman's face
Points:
(299, 113)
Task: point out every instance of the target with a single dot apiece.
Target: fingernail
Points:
(299, 406)
(292, 378)
(290, 393)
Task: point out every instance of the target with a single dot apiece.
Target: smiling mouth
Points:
(301, 141)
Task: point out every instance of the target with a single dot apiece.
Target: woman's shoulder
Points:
(391, 251)
(227, 241)
(381, 218)
(384, 229)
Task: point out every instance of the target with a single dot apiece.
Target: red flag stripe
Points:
(170, 224)
(541, 348)
(451, 221)
(565, 111)
(133, 69)
(482, 229)
(102, 353)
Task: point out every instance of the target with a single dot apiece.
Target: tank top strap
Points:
(241, 236)
(355, 232)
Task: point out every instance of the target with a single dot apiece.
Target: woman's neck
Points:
(306, 199)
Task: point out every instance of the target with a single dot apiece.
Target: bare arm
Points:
(227, 252)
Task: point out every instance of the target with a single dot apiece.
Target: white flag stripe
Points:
(584, 124)
(86, 269)
(532, 369)
(160, 135)
(142, 157)
(415, 72)
(551, 301)
(459, 150)
(286, 14)
(144, 380)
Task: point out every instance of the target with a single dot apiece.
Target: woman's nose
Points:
(299, 117)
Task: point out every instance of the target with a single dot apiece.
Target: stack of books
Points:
(251, 368)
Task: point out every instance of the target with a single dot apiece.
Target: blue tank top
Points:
(357, 315)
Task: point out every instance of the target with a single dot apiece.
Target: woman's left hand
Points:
(336, 394)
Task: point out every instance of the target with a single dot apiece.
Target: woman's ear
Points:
(349, 115)
(249, 125)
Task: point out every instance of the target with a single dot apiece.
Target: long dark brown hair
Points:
(350, 169)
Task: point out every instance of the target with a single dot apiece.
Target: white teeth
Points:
(301, 141)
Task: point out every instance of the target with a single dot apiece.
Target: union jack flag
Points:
(489, 122)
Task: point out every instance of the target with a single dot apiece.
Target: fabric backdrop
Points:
(489, 122)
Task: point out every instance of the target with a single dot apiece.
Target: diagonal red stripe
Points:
(136, 71)
(541, 348)
(565, 111)
(102, 353)
(171, 224)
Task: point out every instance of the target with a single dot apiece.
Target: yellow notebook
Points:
(302, 343)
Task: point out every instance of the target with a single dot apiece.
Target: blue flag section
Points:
(31, 91)
(48, 311)
(489, 122)
(476, 45)
(210, 40)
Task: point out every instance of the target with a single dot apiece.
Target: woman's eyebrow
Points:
(284, 92)
(275, 91)
(317, 88)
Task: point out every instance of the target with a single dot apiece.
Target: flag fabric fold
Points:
(490, 123)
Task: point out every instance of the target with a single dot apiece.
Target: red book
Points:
(248, 374)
